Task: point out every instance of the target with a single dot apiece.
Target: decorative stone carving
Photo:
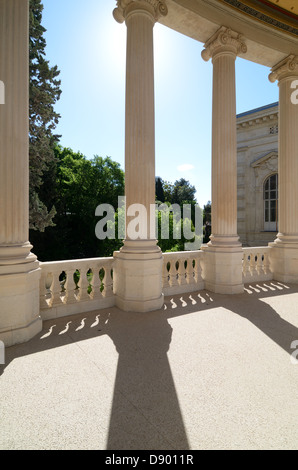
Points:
(156, 7)
(287, 67)
(274, 129)
(224, 40)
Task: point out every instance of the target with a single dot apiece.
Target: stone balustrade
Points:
(76, 286)
(182, 272)
(256, 266)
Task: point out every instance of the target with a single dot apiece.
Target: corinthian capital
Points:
(224, 40)
(288, 67)
(156, 7)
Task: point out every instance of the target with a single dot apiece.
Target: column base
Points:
(284, 258)
(138, 277)
(19, 302)
(222, 268)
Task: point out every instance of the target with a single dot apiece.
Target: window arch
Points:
(271, 203)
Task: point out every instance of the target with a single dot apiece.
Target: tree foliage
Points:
(80, 186)
(44, 91)
(178, 193)
(160, 196)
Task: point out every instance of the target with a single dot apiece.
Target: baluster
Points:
(173, 274)
(83, 286)
(252, 264)
(266, 264)
(56, 289)
(245, 266)
(182, 272)
(108, 281)
(45, 290)
(190, 271)
(197, 271)
(96, 283)
(71, 287)
(165, 274)
(259, 266)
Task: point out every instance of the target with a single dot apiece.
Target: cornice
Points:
(157, 8)
(288, 67)
(224, 40)
(255, 121)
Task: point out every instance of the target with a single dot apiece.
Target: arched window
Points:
(271, 203)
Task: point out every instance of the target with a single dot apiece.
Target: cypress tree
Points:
(44, 91)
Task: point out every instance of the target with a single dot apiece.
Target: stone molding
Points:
(156, 8)
(252, 122)
(224, 40)
(288, 67)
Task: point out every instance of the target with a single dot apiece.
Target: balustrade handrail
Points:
(184, 254)
(76, 262)
(256, 249)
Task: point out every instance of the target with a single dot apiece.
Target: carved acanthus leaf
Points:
(287, 67)
(224, 40)
(158, 7)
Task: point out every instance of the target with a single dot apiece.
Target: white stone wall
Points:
(257, 149)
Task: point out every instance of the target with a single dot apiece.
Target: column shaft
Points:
(140, 127)
(14, 165)
(222, 266)
(284, 251)
(19, 269)
(138, 265)
(288, 160)
(224, 148)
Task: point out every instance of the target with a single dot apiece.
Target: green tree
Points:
(207, 221)
(183, 192)
(81, 185)
(178, 193)
(160, 196)
(44, 91)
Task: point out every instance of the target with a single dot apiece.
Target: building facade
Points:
(257, 175)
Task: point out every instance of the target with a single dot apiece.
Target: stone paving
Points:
(208, 371)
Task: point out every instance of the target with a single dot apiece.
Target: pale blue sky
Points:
(88, 46)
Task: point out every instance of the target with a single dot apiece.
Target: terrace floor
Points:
(208, 372)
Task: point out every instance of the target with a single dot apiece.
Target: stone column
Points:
(19, 269)
(138, 265)
(223, 254)
(284, 255)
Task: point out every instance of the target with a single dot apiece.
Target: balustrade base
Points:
(138, 281)
(76, 307)
(222, 269)
(19, 303)
(284, 259)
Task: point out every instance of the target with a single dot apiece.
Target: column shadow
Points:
(145, 412)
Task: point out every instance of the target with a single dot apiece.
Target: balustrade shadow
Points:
(251, 305)
(145, 410)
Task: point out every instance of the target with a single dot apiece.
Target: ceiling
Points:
(290, 6)
(279, 14)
